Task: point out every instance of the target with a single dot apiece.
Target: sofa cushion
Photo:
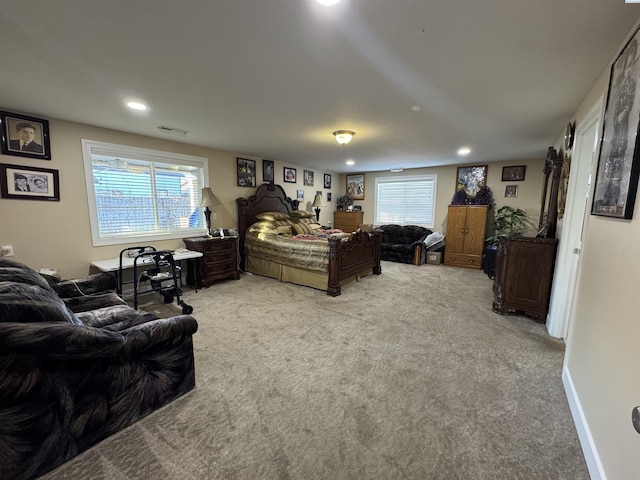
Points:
(24, 303)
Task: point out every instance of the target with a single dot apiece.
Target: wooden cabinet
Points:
(347, 221)
(524, 274)
(466, 228)
(219, 260)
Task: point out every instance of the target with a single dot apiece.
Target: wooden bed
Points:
(349, 259)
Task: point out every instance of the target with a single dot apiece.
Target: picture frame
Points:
(513, 174)
(246, 172)
(357, 208)
(471, 179)
(616, 180)
(511, 191)
(268, 171)
(290, 174)
(300, 195)
(308, 178)
(29, 183)
(355, 186)
(24, 136)
(327, 180)
(328, 196)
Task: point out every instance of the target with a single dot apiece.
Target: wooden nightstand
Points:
(219, 260)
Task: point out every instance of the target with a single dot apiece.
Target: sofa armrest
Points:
(96, 283)
(146, 335)
(58, 340)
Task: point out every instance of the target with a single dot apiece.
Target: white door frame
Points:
(563, 292)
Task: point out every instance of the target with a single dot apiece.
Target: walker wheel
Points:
(187, 309)
(168, 298)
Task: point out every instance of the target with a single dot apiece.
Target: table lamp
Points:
(317, 203)
(208, 200)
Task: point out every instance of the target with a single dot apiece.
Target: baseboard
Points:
(596, 471)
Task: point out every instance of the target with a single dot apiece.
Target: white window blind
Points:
(408, 200)
(137, 195)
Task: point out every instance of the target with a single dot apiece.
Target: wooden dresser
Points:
(347, 221)
(466, 228)
(219, 260)
(524, 274)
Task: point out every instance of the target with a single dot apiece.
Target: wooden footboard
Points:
(359, 254)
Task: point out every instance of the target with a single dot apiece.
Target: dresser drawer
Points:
(463, 260)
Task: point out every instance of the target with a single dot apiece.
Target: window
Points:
(406, 200)
(138, 195)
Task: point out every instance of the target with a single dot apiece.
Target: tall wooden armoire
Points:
(466, 228)
(525, 265)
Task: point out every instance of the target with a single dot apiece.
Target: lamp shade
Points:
(317, 201)
(343, 136)
(208, 198)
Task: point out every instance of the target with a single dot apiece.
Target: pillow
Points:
(301, 214)
(315, 227)
(263, 226)
(301, 228)
(284, 229)
(20, 302)
(271, 216)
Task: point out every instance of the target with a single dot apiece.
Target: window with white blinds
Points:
(138, 195)
(408, 200)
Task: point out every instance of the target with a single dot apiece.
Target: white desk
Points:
(113, 264)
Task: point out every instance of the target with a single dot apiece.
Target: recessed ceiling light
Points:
(416, 108)
(136, 105)
(350, 162)
(464, 151)
(327, 2)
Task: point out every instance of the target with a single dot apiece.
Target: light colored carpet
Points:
(407, 375)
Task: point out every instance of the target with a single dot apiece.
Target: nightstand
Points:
(219, 260)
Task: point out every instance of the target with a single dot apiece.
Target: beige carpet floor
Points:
(407, 375)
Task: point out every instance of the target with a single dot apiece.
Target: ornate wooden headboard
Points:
(269, 197)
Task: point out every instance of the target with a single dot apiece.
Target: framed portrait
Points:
(29, 183)
(357, 208)
(513, 174)
(618, 166)
(289, 175)
(308, 178)
(327, 180)
(246, 172)
(511, 191)
(328, 196)
(355, 186)
(471, 179)
(24, 136)
(300, 196)
(267, 171)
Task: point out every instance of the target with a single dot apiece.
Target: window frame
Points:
(88, 149)
(404, 179)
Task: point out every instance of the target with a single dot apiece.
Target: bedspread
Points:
(283, 249)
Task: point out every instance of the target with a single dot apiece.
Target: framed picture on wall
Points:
(511, 191)
(29, 183)
(246, 172)
(289, 174)
(24, 136)
(471, 179)
(355, 186)
(513, 174)
(267, 171)
(327, 180)
(619, 164)
(308, 178)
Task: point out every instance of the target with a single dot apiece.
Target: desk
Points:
(113, 264)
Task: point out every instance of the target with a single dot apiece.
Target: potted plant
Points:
(508, 222)
(343, 202)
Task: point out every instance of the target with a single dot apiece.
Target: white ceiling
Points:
(274, 78)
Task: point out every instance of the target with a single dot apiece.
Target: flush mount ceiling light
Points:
(343, 136)
(464, 151)
(327, 2)
(136, 105)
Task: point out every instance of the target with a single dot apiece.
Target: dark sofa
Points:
(404, 243)
(77, 364)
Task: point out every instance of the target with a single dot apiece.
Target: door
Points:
(577, 209)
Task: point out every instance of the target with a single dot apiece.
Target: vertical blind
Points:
(408, 200)
(141, 196)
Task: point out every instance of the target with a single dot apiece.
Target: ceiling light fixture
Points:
(350, 162)
(327, 3)
(344, 136)
(464, 151)
(136, 105)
